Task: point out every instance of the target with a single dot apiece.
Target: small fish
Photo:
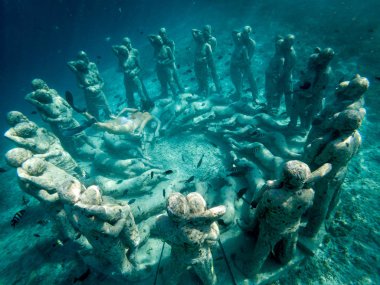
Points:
(141, 32)
(25, 201)
(167, 172)
(138, 207)
(163, 193)
(42, 222)
(192, 79)
(83, 277)
(183, 158)
(119, 181)
(377, 77)
(151, 175)
(200, 161)
(37, 235)
(237, 174)
(219, 258)
(306, 85)
(214, 144)
(188, 71)
(16, 218)
(130, 202)
(220, 57)
(33, 112)
(190, 179)
(178, 66)
(2, 170)
(221, 222)
(241, 192)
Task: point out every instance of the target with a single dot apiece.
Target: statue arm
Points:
(102, 212)
(71, 65)
(113, 230)
(47, 197)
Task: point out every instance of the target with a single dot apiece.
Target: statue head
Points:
(325, 56)
(206, 31)
(91, 196)
(245, 33)
(15, 117)
(295, 174)
(348, 120)
(38, 83)
(43, 96)
(26, 129)
(81, 65)
(177, 207)
(127, 43)
(352, 90)
(82, 55)
(35, 166)
(162, 33)
(17, 156)
(70, 191)
(288, 41)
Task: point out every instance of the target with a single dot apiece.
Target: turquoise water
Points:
(39, 37)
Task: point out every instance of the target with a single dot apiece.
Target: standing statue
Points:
(241, 62)
(190, 229)
(164, 65)
(307, 101)
(211, 40)
(89, 80)
(170, 43)
(129, 64)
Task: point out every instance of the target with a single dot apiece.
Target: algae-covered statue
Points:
(89, 80)
(165, 62)
(57, 112)
(129, 64)
(287, 74)
(307, 100)
(337, 148)
(241, 58)
(278, 215)
(41, 142)
(190, 229)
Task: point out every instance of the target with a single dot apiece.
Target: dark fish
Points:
(219, 258)
(163, 193)
(36, 235)
(220, 57)
(33, 112)
(130, 202)
(237, 174)
(178, 66)
(221, 222)
(200, 161)
(25, 201)
(42, 222)
(70, 99)
(306, 85)
(98, 57)
(183, 158)
(192, 79)
(241, 192)
(213, 144)
(377, 77)
(83, 277)
(119, 181)
(2, 170)
(17, 217)
(188, 71)
(190, 179)
(167, 172)
(138, 207)
(141, 32)
(151, 175)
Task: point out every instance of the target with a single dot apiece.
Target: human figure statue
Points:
(190, 229)
(273, 77)
(348, 95)
(89, 80)
(337, 148)
(109, 227)
(170, 43)
(165, 61)
(278, 216)
(58, 114)
(129, 64)
(41, 180)
(307, 100)
(240, 67)
(211, 40)
(287, 74)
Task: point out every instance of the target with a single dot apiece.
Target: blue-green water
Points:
(39, 37)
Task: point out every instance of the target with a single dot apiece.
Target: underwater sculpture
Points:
(240, 67)
(129, 64)
(58, 114)
(273, 77)
(109, 228)
(165, 62)
(287, 74)
(337, 147)
(41, 143)
(278, 215)
(307, 100)
(41, 179)
(170, 43)
(348, 96)
(190, 229)
(89, 80)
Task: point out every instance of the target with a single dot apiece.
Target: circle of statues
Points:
(291, 173)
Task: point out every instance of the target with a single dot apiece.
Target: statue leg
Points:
(237, 80)
(286, 247)
(205, 270)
